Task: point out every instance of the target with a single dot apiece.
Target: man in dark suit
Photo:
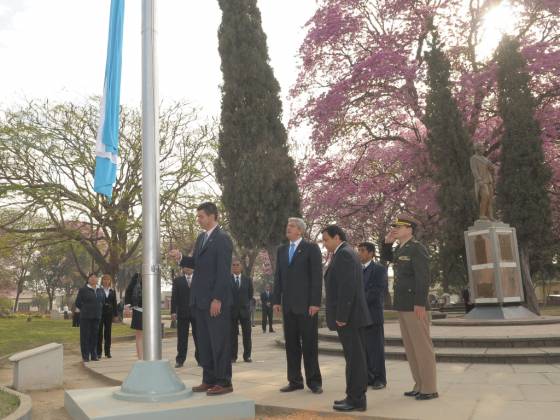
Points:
(242, 291)
(347, 314)
(375, 288)
(210, 300)
(297, 290)
(181, 311)
(266, 304)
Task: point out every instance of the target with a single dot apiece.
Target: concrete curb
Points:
(23, 412)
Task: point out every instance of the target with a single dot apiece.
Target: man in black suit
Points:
(375, 288)
(347, 314)
(211, 300)
(297, 290)
(242, 291)
(266, 304)
(181, 311)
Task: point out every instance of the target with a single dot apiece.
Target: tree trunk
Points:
(17, 300)
(529, 289)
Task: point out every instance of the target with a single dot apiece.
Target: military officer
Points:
(412, 279)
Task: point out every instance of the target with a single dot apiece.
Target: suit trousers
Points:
(419, 351)
(246, 332)
(183, 325)
(267, 318)
(89, 329)
(301, 337)
(214, 344)
(375, 353)
(105, 327)
(352, 340)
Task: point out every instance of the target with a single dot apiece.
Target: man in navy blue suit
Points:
(375, 287)
(210, 300)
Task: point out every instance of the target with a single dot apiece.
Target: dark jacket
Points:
(212, 272)
(90, 302)
(130, 290)
(110, 304)
(412, 274)
(375, 288)
(242, 296)
(344, 290)
(298, 285)
(266, 301)
(180, 297)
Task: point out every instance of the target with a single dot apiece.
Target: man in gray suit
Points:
(210, 300)
(347, 314)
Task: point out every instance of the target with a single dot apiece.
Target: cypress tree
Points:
(450, 148)
(254, 169)
(524, 177)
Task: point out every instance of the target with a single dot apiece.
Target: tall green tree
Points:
(254, 168)
(524, 177)
(450, 148)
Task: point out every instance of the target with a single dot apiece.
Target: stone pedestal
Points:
(38, 368)
(100, 403)
(494, 272)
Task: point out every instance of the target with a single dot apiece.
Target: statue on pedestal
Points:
(484, 173)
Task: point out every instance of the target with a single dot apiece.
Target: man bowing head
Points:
(347, 314)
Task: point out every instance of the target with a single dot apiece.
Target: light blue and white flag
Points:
(107, 146)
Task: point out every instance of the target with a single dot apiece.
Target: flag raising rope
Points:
(107, 145)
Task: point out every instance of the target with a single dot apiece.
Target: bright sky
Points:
(56, 49)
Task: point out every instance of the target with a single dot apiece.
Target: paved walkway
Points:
(467, 391)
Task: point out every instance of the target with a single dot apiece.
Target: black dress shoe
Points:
(346, 406)
(108, 356)
(411, 393)
(317, 390)
(339, 402)
(248, 360)
(178, 365)
(290, 388)
(421, 396)
(271, 331)
(378, 385)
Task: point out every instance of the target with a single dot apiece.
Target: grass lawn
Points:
(8, 404)
(18, 334)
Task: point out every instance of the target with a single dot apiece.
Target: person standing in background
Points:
(181, 311)
(266, 308)
(242, 291)
(375, 288)
(109, 314)
(90, 302)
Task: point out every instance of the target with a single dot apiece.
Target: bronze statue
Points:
(484, 173)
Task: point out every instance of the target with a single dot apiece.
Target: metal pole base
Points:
(152, 381)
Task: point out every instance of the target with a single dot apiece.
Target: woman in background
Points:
(108, 315)
(90, 302)
(133, 300)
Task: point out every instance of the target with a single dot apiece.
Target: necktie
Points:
(204, 239)
(189, 279)
(291, 252)
(237, 281)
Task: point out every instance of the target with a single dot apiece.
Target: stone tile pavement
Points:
(467, 391)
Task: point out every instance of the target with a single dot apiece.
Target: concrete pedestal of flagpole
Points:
(152, 391)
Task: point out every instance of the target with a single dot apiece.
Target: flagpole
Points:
(151, 379)
(150, 187)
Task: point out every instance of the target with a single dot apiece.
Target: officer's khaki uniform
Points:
(412, 280)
